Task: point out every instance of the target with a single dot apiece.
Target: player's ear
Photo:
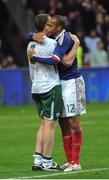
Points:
(59, 28)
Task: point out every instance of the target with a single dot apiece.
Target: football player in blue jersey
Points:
(73, 89)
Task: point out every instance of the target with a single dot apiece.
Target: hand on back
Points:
(30, 53)
(38, 37)
(74, 38)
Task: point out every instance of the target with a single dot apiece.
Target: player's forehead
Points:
(51, 22)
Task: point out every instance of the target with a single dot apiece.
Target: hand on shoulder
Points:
(74, 38)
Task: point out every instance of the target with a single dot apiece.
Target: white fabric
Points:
(43, 76)
(60, 37)
(91, 43)
(73, 95)
(47, 163)
(37, 159)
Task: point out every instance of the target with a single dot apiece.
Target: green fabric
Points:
(49, 104)
(79, 56)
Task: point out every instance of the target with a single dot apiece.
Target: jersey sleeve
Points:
(29, 37)
(61, 50)
(44, 60)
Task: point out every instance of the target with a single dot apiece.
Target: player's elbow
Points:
(67, 62)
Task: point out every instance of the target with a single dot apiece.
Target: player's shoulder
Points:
(64, 38)
(32, 44)
(49, 43)
(67, 37)
(49, 39)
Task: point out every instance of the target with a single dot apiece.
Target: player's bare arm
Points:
(69, 58)
(59, 52)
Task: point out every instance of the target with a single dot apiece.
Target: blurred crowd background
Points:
(88, 19)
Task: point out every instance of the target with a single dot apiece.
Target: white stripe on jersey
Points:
(55, 57)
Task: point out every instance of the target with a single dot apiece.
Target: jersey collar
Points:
(60, 37)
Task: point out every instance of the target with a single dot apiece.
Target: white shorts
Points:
(73, 95)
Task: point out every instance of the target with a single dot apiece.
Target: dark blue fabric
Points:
(29, 37)
(45, 60)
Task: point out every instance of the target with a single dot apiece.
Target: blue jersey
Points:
(62, 49)
(64, 45)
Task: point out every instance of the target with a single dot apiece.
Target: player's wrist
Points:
(33, 61)
(77, 43)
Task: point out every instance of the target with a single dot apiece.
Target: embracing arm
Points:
(33, 57)
(29, 37)
(59, 52)
(38, 37)
(49, 61)
(69, 58)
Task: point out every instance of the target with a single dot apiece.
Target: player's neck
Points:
(59, 34)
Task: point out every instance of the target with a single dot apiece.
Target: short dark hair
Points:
(60, 20)
(40, 20)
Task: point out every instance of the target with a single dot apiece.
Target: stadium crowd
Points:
(88, 19)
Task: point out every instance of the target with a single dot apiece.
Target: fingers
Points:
(38, 37)
(30, 53)
(74, 38)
